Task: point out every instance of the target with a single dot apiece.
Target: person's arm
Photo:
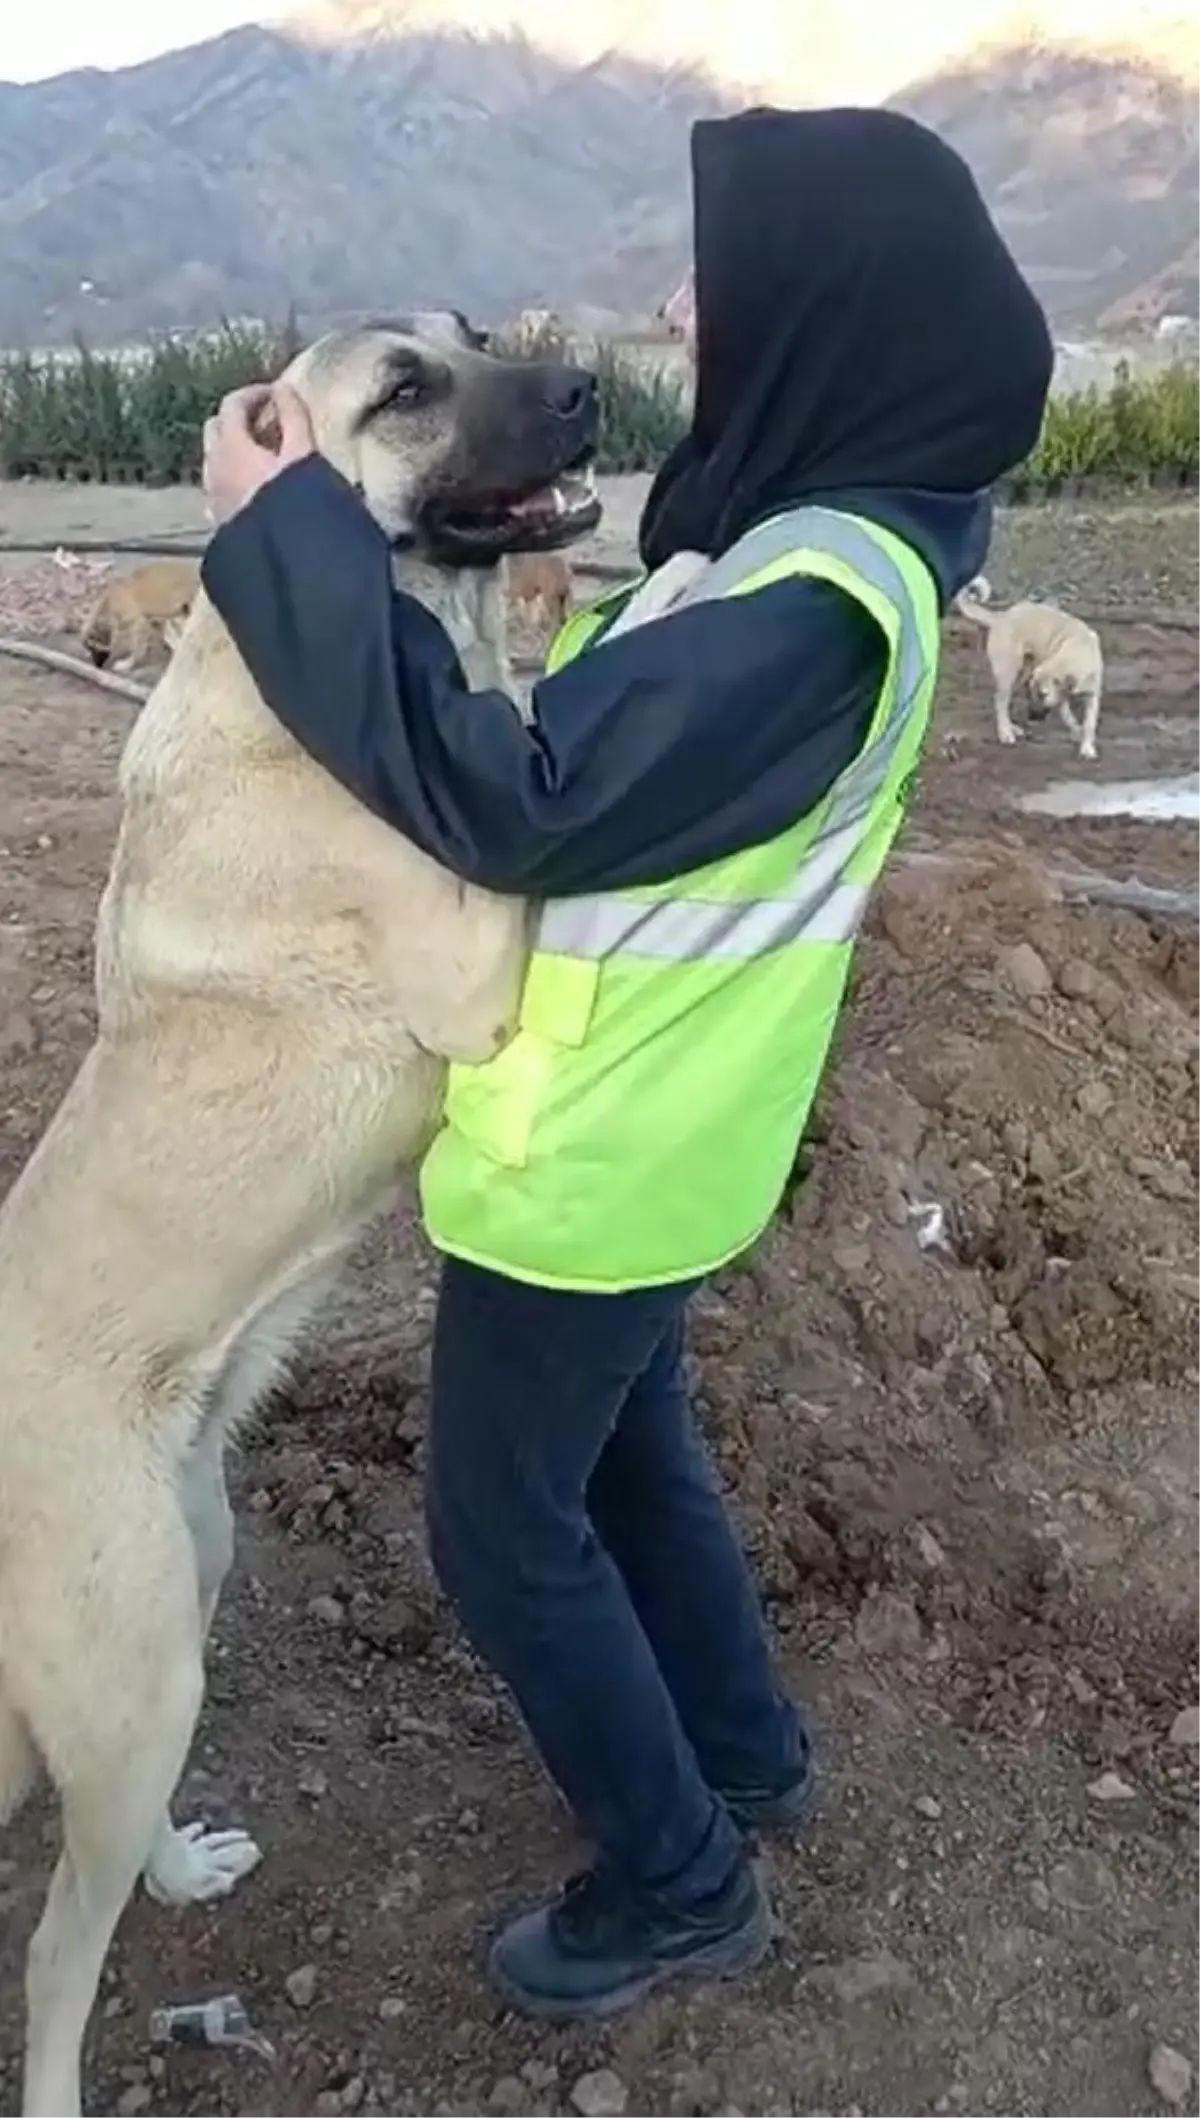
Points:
(673, 745)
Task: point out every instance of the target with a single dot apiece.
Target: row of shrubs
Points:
(94, 416)
(98, 417)
(1143, 430)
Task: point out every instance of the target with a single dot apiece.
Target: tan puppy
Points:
(136, 611)
(280, 982)
(1063, 656)
(541, 588)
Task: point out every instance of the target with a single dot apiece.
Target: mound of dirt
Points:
(1003, 1182)
(950, 1390)
(954, 1394)
(50, 597)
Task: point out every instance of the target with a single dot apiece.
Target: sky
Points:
(40, 37)
(866, 38)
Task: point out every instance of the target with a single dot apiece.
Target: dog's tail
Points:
(97, 633)
(972, 601)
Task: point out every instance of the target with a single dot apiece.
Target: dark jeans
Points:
(576, 1524)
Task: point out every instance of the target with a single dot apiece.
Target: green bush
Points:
(95, 416)
(1144, 429)
(98, 416)
(643, 413)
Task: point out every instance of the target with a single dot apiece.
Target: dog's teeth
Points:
(560, 500)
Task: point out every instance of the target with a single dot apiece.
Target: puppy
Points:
(1063, 656)
(540, 588)
(136, 611)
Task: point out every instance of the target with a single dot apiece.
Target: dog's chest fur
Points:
(469, 602)
(242, 866)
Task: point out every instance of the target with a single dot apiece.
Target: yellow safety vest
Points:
(642, 1123)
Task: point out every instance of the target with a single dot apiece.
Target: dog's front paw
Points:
(1009, 734)
(194, 1865)
(1088, 751)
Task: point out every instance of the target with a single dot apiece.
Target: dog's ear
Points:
(265, 427)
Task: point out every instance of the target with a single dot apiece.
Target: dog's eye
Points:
(407, 389)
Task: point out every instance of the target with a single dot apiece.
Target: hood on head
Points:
(859, 323)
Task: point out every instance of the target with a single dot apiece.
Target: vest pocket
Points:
(496, 1106)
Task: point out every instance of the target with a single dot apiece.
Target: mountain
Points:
(498, 154)
(1090, 166)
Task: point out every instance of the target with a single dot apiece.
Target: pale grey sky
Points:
(50, 36)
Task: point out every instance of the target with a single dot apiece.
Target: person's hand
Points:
(256, 433)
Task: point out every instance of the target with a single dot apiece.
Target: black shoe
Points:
(785, 1808)
(598, 1947)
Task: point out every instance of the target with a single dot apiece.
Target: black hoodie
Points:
(860, 324)
(864, 339)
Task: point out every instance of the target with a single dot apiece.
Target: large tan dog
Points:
(1063, 656)
(137, 611)
(280, 981)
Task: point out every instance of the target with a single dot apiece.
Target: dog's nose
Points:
(570, 392)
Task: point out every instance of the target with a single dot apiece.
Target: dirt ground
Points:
(953, 1395)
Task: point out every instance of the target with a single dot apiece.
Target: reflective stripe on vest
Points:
(822, 904)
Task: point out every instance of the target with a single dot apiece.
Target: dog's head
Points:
(1044, 694)
(457, 453)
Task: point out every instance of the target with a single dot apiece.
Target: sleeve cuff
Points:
(290, 504)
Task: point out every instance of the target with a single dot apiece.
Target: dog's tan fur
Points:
(280, 981)
(1063, 657)
(540, 587)
(139, 611)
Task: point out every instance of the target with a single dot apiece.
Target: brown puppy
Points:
(540, 588)
(137, 611)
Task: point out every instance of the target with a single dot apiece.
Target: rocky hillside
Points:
(426, 151)
(1090, 167)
